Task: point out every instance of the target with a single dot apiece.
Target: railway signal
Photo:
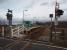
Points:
(59, 12)
(51, 16)
(9, 16)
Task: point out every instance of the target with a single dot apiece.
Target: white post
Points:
(11, 31)
(3, 31)
(18, 31)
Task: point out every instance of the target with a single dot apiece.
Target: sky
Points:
(38, 10)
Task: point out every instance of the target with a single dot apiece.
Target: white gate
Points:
(16, 31)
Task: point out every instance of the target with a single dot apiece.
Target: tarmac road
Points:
(36, 46)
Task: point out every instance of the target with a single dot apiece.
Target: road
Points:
(37, 46)
(29, 45)
(4, 42)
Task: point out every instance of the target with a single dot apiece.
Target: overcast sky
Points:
(38, 9)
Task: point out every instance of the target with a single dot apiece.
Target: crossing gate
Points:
(16, 31)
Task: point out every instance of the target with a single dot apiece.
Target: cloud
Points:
(36, 8)
(2, 1)
(42, 4)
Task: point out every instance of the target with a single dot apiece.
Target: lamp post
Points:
(23, 20)
(24, 16)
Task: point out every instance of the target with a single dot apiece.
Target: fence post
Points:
(3, 31)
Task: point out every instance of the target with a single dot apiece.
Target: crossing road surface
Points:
(18, 46)
(4, 42)
(43, 47)
(28, 45)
